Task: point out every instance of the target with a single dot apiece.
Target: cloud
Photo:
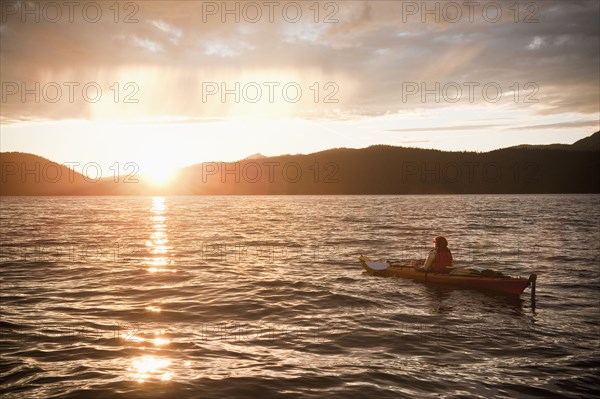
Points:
(220, 49)
(174, 33)
(536, 43)
(442, 128)
(373, 50)
(560, 125)
(149, 45)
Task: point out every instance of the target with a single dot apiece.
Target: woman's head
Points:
(441, 243)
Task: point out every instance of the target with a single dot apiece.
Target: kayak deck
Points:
(504, 285)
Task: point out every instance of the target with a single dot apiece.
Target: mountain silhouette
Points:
(378, 169)
(590, 143)
(256, 156)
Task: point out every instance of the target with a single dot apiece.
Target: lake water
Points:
(264, 296)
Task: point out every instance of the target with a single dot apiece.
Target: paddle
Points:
(377, 265)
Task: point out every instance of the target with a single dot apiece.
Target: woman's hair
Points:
(441, 244)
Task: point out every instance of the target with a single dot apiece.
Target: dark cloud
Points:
(372, 52)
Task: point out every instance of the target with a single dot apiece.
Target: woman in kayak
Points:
(439, 258)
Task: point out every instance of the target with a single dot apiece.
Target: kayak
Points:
(459, 278)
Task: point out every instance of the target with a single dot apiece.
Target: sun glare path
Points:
(149, 367)
(157, 245)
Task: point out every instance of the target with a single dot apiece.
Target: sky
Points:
(170, 84)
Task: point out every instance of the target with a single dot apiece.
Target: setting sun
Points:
(159, 175)
(155, 168)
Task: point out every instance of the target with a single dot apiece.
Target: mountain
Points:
(379, 169)
(256, 156)
(590, 143)
(29, 174)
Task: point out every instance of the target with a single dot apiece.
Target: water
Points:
(264, 296)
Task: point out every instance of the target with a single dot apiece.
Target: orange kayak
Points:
(503, 284)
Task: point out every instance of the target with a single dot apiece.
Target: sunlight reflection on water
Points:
(159, 250)
(149, 367)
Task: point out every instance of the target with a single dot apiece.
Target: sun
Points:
(159, 174)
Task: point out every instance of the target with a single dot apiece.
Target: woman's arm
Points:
(430, 259)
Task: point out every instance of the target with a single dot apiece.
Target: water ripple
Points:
(263, 296)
